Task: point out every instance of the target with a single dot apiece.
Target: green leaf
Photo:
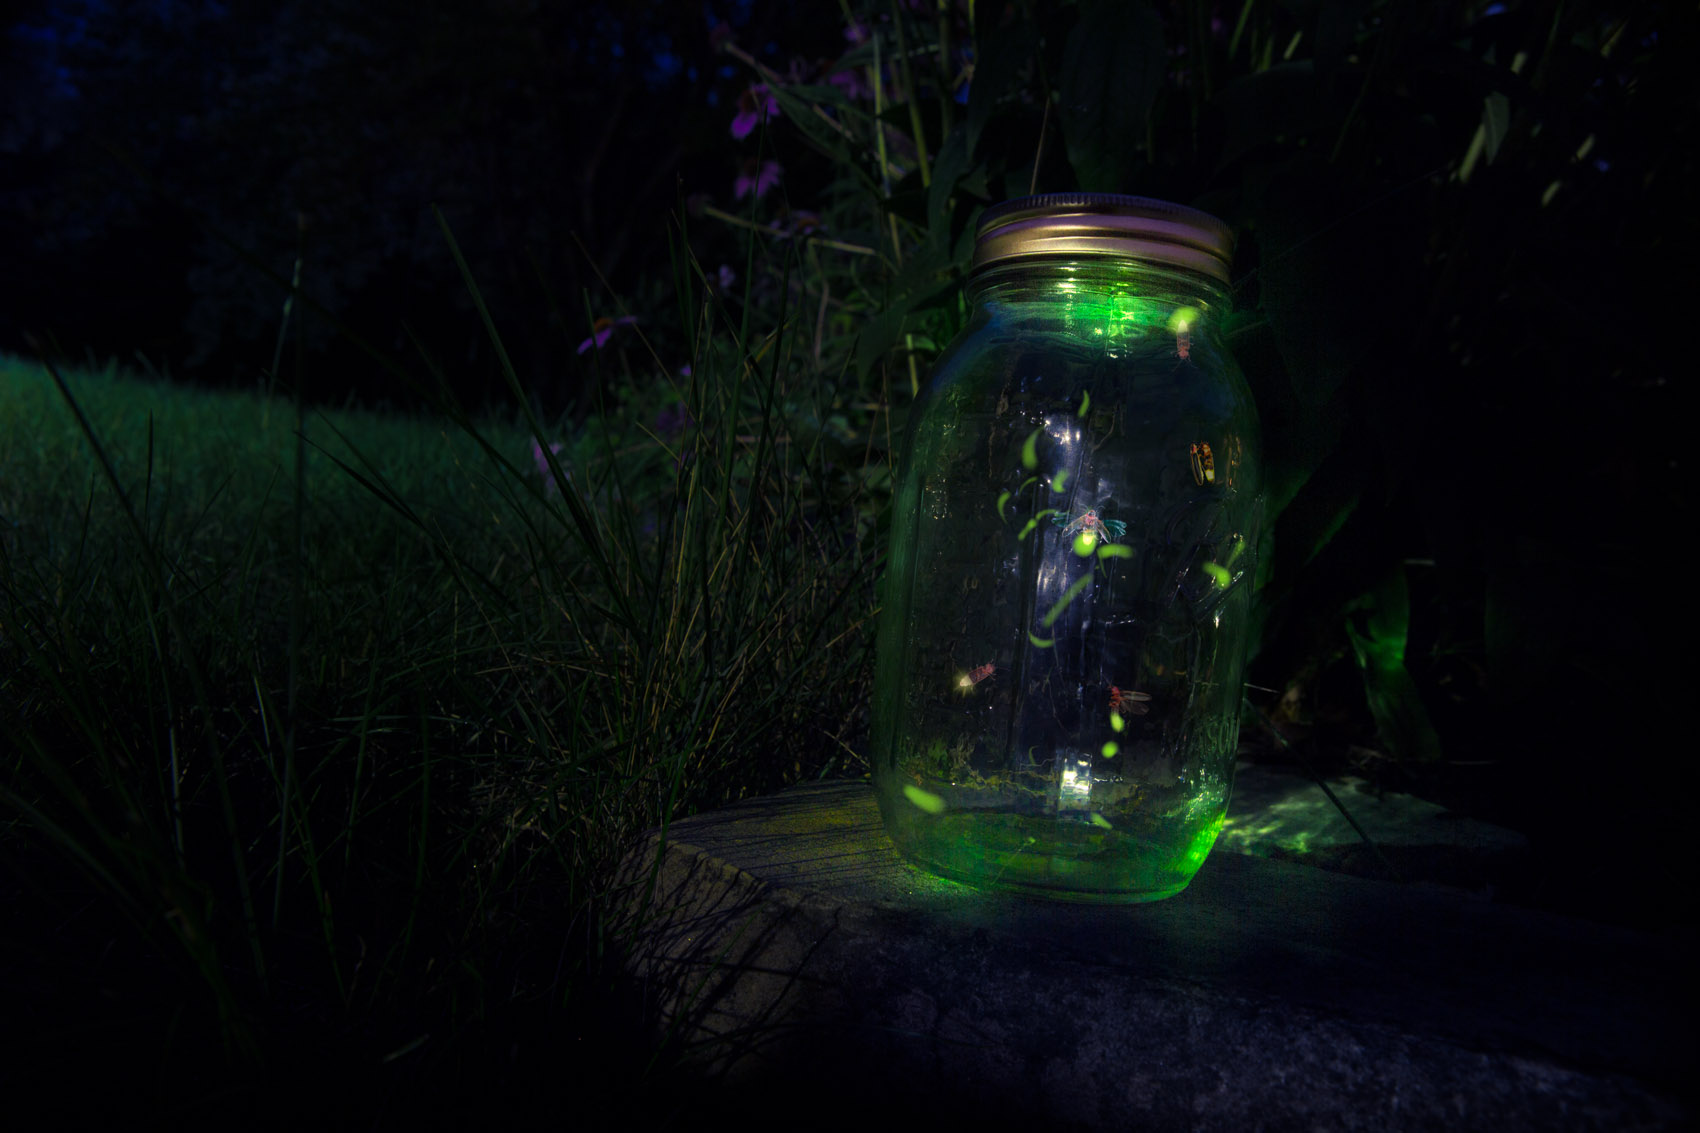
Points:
(1309, 504)
(949, 167)
(880, 333)
(962, 250)
(1387, 611)
(1322, 499)
(799, 105)
(1496, 121)
(927, 279)
(1321, 265)
(1113, 67)
(1401, 720)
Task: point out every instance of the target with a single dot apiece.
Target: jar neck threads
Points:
(1095, 294)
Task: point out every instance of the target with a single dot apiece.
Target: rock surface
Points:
(797, 960)
(1285, 815)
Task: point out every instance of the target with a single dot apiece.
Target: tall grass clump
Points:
(324, 733)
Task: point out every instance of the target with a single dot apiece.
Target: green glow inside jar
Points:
(1063, 621)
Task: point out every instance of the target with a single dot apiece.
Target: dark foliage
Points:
(158, 162)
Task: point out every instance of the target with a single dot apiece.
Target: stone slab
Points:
(1283, 814)
(1275, 810)
(787, 949)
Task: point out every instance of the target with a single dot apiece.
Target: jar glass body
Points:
(1063, 619)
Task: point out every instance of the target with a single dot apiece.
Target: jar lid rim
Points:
(1111, 224)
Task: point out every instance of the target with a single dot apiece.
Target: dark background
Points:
(155, 159)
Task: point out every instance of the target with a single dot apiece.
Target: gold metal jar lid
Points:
(1104, 224)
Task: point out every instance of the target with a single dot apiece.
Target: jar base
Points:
(1053, 859)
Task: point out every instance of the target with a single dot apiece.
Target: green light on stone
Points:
(1239, 548)
(1084, 542)
(1085, 402)
(1218, 572)
(1040, 642)
(1059, 480)
(1110, 748)
(1030, 449)
(1100, 820)
(1069, 595)
(924, 800)
(1027, 483)
(1003, 501)
(1115, 551)
(1116, 721)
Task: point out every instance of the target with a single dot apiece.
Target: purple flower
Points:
(551, 484)
(851, 83)
(601, 330)
(724, 278)
(757, 180)
(755, 105)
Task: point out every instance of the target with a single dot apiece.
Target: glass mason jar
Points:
(1064, 612)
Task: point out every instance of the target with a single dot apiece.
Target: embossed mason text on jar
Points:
(1064, 612)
